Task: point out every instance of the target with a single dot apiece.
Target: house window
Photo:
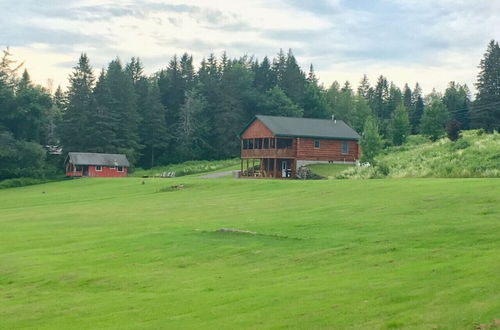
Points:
(316, 144)
(345, 148)
(119, 169)
(98, 168)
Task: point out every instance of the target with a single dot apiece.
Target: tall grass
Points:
(187, 168)
(474, 155)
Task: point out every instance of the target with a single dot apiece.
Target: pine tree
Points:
(371, 142)
(364, 88)
(104, 120)
(486, 108)
(77, 120)
(190, 141)
(457, 102)
(417, 109)
(434, 119)
(265, 77)
(153, 128)
(123, 108)
(400, 125)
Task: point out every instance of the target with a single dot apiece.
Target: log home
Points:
(281, 145)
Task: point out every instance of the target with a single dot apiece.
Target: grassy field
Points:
(335, 254)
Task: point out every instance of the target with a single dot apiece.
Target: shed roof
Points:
(307, 127)
(89, 158)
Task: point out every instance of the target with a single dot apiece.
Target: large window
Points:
(345, 148)
(119, 169)
(98, 168)
(316, 144)
(285, 143)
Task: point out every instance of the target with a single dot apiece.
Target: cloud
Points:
(342, 38)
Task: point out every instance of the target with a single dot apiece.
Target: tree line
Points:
(185, 113)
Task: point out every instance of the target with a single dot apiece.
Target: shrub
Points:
(20, 182)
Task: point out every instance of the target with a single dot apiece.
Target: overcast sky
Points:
(429, 41)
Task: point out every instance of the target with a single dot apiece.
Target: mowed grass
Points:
(332, 254)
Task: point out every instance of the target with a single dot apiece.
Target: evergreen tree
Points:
(371, 142)
(457, 102)
(314, 100)
(122, 106)
(265, 77)
(77, 119)
(293, 82)
(417, 108)
(364, 88)
(275, 103)
(486, 108)
(434, 119)
(400, 125)
(380, 98)
(103, 127)
(190, 142)
(153, 129)
(360, 113)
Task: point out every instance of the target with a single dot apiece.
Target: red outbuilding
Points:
(281, 145)
(79, 164)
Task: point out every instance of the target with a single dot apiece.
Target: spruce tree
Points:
(364, 88)
(275, 103)
(191, 126)
(400, 125)
(75, 130)
(486, 108)
(371, 142)
(417, 108)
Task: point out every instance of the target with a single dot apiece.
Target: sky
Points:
(427, 41)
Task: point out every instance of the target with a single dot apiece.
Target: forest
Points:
(188, 112)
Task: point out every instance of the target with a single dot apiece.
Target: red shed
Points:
(80, 164)
(281, 145)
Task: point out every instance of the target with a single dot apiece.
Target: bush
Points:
(20, 182)
(305, 173)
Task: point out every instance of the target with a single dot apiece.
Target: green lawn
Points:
(331, 254)
(329, 171)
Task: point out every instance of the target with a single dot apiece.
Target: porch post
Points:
(275, 163)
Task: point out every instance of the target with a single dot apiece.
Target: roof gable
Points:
(89, 158)
(306, 127)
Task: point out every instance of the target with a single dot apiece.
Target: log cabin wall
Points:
(257, 130)
(329, 150)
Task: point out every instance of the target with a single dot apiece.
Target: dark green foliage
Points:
(457, 101)
(371, 141)
(20, 158)
(417, 108)
(76, 128)
(275, 103)
(400, 125)
(453, 130)
(486, 108)
(434, 119)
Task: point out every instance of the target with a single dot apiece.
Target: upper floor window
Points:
(98, 168)
(345, 148)
(317, 144)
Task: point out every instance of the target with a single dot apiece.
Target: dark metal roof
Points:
(88, 158)
(307, 127)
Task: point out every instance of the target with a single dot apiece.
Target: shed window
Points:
(98, 168)
(119, 169)
(345, 148)
(316, 144)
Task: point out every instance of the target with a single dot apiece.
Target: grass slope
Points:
(475, 154)
(376, 254)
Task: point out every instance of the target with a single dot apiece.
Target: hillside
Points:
(342, 254)
(475, 154)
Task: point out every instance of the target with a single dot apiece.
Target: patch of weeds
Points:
(175, 187)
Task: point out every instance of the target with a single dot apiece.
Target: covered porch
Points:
(268, 167)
